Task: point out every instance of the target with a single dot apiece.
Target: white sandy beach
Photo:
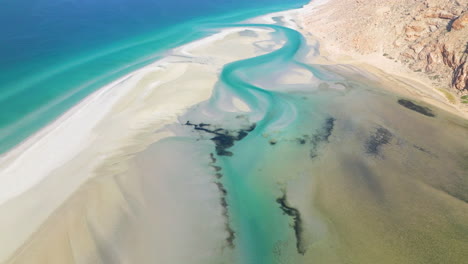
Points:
(98, 136)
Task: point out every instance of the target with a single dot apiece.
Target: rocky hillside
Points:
(428, 36)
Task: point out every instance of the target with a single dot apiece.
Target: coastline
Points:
(315, 18)
(102, 133)
(106, 148)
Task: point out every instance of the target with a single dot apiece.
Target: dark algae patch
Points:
(223, 201)
(223, 138)
(319, 136)
(323, 135)
(417, 108)
(231, 234)
(380, 137)
(301, 141)
(297, 224)
(328, 128)
(425, 151)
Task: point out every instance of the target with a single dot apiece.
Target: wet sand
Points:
(104, 132)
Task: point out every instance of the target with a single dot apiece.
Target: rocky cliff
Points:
(428, 36)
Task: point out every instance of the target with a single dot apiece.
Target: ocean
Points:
(55, 53)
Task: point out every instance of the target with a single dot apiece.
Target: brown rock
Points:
(416, 30)
(446, 15)
(422, 55)
(417, 47)
(437, 13)
(431, 15)
(408, 54)
(434, 58)
(460, 80)
(448, 56)
(458, 62)
(417, 27)
(460, 22)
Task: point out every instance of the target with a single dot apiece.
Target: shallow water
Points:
(331, 168)
(336, 170)
(55, 53)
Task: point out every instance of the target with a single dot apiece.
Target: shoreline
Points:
(125, 118)
(371, 62)
(122, 99)
(418, 85)
(11, 158)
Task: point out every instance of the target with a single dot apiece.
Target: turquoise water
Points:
(249, 203)
(259, 225)
(333, 168)
(299, 133)
(56, 53)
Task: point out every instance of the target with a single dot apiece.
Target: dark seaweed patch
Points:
(223, 139)
(301, 141)
(421, 149)
(417, 108)
(380, 137)
(297, 222)
(322, 135)
(212, 157)
(215, 167)
(221, 188)
(425, 151)
(223, 202)
(231, 234)
(328, 128)
(223, 142)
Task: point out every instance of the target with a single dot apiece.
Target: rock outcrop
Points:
(429, 36)
(460, 22)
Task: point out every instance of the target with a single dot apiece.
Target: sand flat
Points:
(105, 130)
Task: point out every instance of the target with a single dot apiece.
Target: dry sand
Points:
(329, 22)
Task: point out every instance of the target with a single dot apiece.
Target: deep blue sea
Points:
(53, 53)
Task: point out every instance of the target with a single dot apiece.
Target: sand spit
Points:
(98, 136)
